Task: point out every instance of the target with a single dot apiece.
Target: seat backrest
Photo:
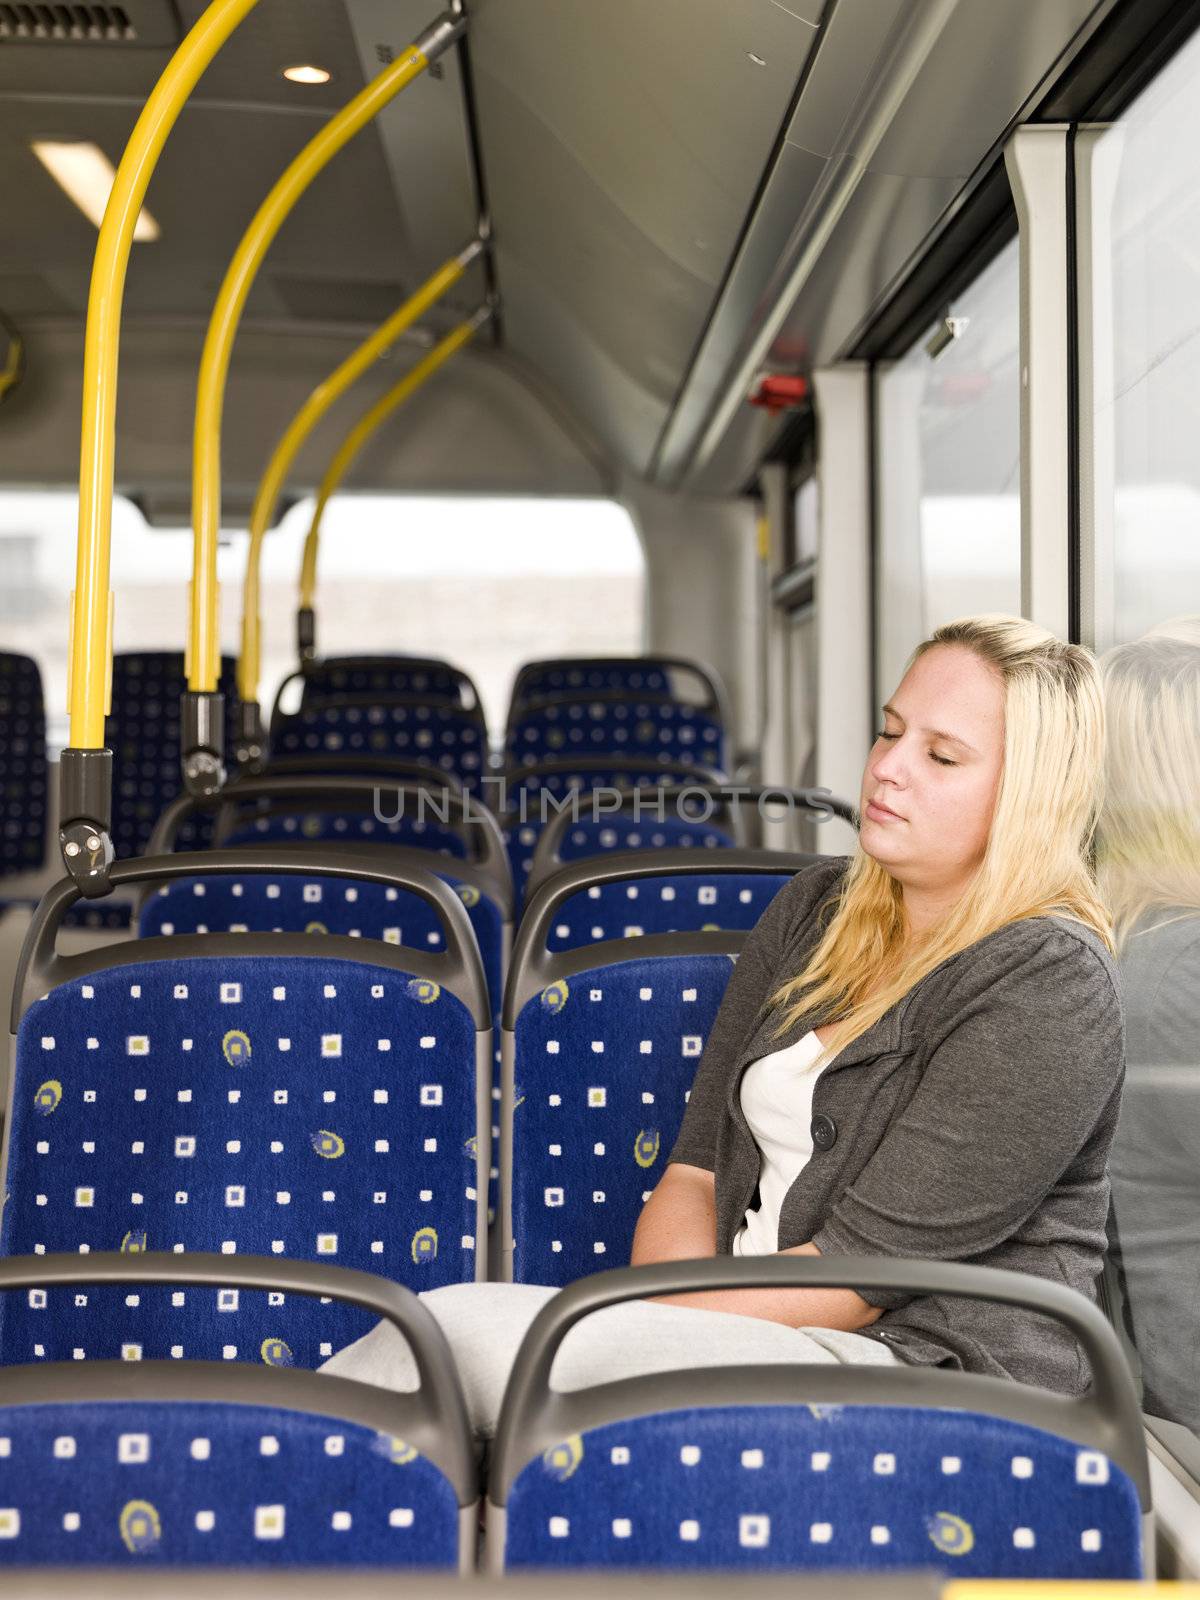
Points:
(599, 1050)
(144, 733)
(819, 1467)
(23, 774)
(306, 1096)
(569, 677)
(104, 1465)
(422, 677)
(532, 797)
(440, 737)
(634, 894)
(615, 724)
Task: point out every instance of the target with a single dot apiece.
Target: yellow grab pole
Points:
(204, 649)
(85, 772)
(90, 665)
(339, 381)
(250, 664)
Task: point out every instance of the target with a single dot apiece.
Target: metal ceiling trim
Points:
(687, 445)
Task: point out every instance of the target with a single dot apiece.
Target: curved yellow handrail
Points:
(325, 395)
(203, 639)
(91, 638)
(250, 664)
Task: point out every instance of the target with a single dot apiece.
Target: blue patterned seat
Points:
(820, 1467)
(569, 677)
(418, 676)
(526, 814)
(144, 1484)
(229, 903)
(144, 732)
(540, 680)
(103, 1465)
(23, 775)
(662, 902)
(305, 1096)
(614, 725)
(441, 737)
(604, 836)
(602, 1066)
(792, 1488)
(334, 827)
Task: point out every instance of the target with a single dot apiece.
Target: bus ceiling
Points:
(683, 195)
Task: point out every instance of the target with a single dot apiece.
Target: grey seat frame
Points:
(534, 1416)
(432, 1418)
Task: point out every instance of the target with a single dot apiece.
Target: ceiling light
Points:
(86, 174)
(306, 74)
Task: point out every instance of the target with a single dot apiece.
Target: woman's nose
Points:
(889, 763)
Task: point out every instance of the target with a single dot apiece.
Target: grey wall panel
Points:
(477, 427)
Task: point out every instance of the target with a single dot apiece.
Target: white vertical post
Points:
(1036, 158)
(901, 624)
(1098, 153)
(843, 588)
(777, 733)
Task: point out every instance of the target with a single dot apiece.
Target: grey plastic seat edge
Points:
(534, 1417)
(491, 867)
(459, 968)
(547, 857)
(368, 663)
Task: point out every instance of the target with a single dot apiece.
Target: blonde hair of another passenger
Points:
(1036, 860)
(1148, 844)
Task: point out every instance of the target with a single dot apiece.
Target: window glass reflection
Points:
(948, 471)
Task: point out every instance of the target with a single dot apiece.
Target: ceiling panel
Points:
(623, 144)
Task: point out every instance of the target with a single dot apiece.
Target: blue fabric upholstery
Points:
(604, 1066)
(387, 675)
(597, 836)
(112, 915)
(144, 735)
(637, 906)
(225, 903)
(523, 821)
(798, 1488)
(541, 680)
(153, 1484)
(545, 730)
(23, 779)
(342, 828)
(303, 1107)
(437, 736)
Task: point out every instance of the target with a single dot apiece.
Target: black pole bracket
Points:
(250, 746)
(306, 633)
(85, 819)
(202, 747)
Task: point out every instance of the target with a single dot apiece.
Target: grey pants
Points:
(484, 1324)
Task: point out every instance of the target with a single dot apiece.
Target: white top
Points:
(777, 1102)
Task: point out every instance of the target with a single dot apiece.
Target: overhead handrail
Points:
(250, 664)
(202, 749)
(251, 746)
(85, 770)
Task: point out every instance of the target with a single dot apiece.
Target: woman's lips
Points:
(880, 813)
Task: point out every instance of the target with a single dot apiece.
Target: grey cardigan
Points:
(970, 1123)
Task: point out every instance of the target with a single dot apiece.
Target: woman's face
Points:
(930, 783)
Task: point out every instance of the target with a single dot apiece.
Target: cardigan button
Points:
(824, 1132)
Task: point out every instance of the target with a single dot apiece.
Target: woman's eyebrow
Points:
(935, 733)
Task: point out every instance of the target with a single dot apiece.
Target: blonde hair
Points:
(1148, 844)
(1036, 860)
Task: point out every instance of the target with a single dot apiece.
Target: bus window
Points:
(486, 582)
(948, 471)
(1147, 628)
